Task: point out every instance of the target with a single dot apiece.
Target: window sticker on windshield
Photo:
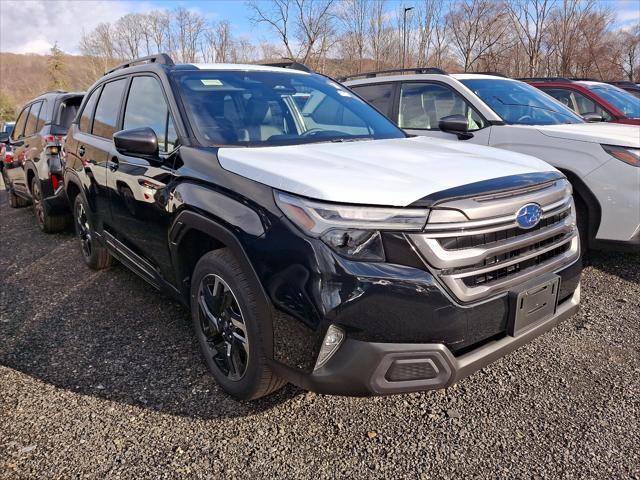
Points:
(211, 82)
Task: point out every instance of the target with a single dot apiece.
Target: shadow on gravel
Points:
(623, 265)
(106, 334)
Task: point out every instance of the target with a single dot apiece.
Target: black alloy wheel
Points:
(223, 327)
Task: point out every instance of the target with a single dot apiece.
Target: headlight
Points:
(350, 230)
(626, 154)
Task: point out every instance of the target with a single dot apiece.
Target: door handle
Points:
(113, 164)
(81, 151)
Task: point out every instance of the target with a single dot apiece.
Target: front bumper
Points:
(362, 368)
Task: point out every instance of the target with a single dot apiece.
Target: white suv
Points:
(602, 161)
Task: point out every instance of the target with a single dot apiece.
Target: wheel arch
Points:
(594, 211)
(193, 235)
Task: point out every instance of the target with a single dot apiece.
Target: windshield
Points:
(623, 101)
(265, 108)
(518, 103)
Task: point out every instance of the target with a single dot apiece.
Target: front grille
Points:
(480, 251)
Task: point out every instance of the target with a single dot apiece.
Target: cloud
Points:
(628, 14)
(32, 26)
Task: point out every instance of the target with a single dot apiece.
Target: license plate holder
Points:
(533, 302)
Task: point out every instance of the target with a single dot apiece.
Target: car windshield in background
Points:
(518, 103)
(623, 101)
(265, 108)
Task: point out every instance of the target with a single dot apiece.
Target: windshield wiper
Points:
(350, 139)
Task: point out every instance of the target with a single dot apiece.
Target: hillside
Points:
(23, 77)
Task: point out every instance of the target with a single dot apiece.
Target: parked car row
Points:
(600, 160)
(312, 238)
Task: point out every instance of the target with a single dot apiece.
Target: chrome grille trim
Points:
(500, 256)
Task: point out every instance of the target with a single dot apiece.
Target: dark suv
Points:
(313, 241)
(34, 173)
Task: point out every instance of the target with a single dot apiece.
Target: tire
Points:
(16, 201)
(244, 373)
(95, 255)
(47, 223)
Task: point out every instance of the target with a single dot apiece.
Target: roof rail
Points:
(584, 79)
(53, 91)
(289, 64)
(623, 83)
(546, 79)
(416, 70)
(495, 74)
(161, 58)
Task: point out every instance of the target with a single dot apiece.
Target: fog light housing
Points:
(330, 344)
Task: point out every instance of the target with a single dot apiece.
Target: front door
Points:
(139, 186)
(423, 104)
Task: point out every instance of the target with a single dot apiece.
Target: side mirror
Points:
(4, 137)
(592, 117)
(137, 142)
(457, 124)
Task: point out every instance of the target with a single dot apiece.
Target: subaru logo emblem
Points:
(529, 215)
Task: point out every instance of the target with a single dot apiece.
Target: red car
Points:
(611, 103)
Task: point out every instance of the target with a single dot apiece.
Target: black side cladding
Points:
(488, 187)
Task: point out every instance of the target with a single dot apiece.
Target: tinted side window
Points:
(146, 107)
(105, 119)
(19, 127)
(379, 95)
(422, 105)
(32, 120)
(85, 119)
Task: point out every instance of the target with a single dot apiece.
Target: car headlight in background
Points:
(350, 230)
(626, 154)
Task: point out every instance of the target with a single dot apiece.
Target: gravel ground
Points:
(100, 377)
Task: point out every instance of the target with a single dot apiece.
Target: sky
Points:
(32, 26)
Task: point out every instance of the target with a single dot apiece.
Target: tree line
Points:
(518, 38)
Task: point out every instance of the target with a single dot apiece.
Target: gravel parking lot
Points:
(100, 377)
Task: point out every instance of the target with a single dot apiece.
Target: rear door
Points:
(94, 140)
(26, 149)
(138, 194)
(12, 170)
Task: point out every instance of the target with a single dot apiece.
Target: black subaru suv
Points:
(312, 240)
(34, 173)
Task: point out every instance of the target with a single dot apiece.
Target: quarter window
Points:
(19, 128)
(87, 112)
(32, 120)
(380, 95)
(42, 116)
(146, 107)
(422, 105)
(105, 120)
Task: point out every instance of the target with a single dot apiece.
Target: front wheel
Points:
(226, 321)
(95, 255)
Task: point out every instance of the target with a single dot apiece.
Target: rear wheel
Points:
(226, 321)
(15, 201)
(47, 223)
(95, 255)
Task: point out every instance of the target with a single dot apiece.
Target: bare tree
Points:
(354, 18)
(158, 29)
(476, 27)
(278, 18)
(630, 53)
(430, 23)
(379, 34)
(314, 28)
(530, 19)
(188, 32)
